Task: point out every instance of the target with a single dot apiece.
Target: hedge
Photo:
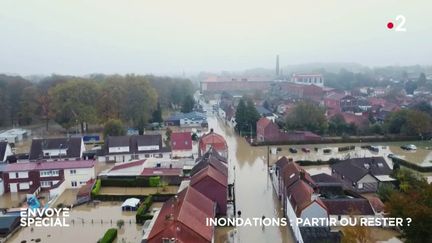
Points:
(125, 182)
(154, 181)
(354, 139)
(141, 216)
(398, 161)
(155, 197)
(96, 188)
(318, 162)
(109, 236)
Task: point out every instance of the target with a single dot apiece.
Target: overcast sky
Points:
(172, 36)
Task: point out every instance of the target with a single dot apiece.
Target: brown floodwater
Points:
(254, 192)
(83, 230)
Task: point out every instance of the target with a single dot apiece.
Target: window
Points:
(360, 186)
(72, 172)
(47, 173)
(147, 155)
(45, 183)
(74, 184)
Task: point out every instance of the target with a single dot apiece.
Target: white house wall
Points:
(314, 210)
(81, 176)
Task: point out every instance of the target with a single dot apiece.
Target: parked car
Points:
(409, 147)
(293, 150)
(305, 150)
(327, 151)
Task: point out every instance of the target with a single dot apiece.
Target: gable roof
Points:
(292, 173)
(73, 145)
(213, 139)
(127, 165)
(282, 162)
(357, 168)
(212, 173)
(181, 141)
(133, 142)
(300, 196)
(188, 209)
(55, 165)
(213, 159)
(348, 206)
(263, 122)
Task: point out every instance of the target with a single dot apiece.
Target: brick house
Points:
(30, 176)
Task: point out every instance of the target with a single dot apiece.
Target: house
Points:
(213, 159)
(51, 149)
(181, 144)
(183, 219)
(268, 131)
(214, 185)
(31, 176)
(332, 102)
(135, 147)
(339, 208)
(362, 174)
(304, 202)
(5, 151)
(349, 103)
(191, 119)
(213, 140)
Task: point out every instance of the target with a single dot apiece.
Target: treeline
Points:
(69, 100)
(415, 121)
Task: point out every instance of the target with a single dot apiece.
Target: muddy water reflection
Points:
(254, 192)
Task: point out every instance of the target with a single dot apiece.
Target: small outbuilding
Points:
(131, 204)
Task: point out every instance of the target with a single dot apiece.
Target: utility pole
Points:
(268, 157)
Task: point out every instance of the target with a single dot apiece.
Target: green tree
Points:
(188, 104)
(413, 200)
(111, 98)
(408, 122)
(157, 114)
(28, 105)
(140, 100)
(246, 116)
(114, 127)
(307, 116)
(120, 223)
(74, 102)
(421, 79)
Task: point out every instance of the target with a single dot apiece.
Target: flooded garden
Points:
(87, 223)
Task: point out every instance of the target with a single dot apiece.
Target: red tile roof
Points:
(128, 165)
(212, 173)
(187, 212)
(301, 196)
(181, 141)
(213, 139)
(55, 165)
(263, 122)
(162, 172)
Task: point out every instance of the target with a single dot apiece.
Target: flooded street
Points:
(254, 192)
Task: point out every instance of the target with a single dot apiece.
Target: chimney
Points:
(277, 65)
(302, 175)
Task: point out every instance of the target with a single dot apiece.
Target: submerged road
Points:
(255, 196)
